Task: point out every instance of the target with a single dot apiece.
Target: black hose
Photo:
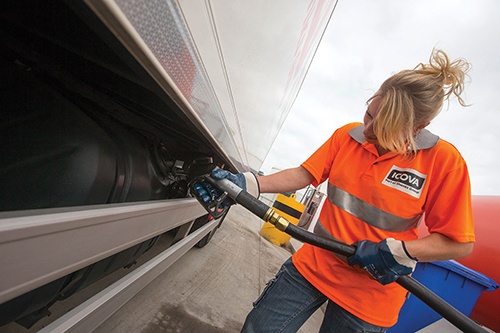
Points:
(252, 204)
(439, 305)
(320, 241)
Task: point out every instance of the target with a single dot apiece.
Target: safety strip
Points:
(370, 214)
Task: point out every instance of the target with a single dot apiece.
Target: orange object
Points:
(485, 258)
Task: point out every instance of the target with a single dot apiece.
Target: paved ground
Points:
(209, 289)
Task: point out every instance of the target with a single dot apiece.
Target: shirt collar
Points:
(424, 139)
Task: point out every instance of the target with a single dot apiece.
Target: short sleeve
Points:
(320, 162)
(448, 209)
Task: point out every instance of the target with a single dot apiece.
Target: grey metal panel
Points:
(162, 27)
(37, 247)
(154, 32)
(256, 53)
(233, 67)
(90, 314)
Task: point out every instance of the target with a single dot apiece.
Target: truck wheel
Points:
(200, 222)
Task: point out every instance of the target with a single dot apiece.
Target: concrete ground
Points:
(209, 289)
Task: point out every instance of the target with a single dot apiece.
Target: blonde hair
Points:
(410, 99)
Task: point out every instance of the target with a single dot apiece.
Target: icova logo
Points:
(406, 180)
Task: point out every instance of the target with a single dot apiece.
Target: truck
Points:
(106, 106)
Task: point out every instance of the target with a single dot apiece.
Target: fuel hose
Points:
(268, 214)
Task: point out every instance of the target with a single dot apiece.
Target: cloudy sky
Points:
(366, 42)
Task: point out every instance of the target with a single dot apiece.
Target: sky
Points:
(367, 41)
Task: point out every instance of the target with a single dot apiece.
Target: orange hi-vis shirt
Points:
(375, 197)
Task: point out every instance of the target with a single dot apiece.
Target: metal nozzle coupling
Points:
(275, 219)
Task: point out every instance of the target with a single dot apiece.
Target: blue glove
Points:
(384, 261)
(238, 179)
(208, 193)
(246, 181)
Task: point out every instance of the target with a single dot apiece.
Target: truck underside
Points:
(83, 125)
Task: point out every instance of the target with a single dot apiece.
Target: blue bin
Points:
(455, 283)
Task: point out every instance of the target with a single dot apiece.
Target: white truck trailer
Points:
(104, 106)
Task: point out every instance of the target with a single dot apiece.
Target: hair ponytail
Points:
(450, 74)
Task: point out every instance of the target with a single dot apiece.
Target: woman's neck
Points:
(381, 151)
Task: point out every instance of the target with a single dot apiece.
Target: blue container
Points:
(455, 283)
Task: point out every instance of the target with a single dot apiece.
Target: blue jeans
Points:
(289, 300)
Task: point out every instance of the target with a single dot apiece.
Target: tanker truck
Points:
(105, 106)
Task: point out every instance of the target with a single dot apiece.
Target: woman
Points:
(383, 175)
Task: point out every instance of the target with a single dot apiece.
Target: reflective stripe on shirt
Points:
(370, 214)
